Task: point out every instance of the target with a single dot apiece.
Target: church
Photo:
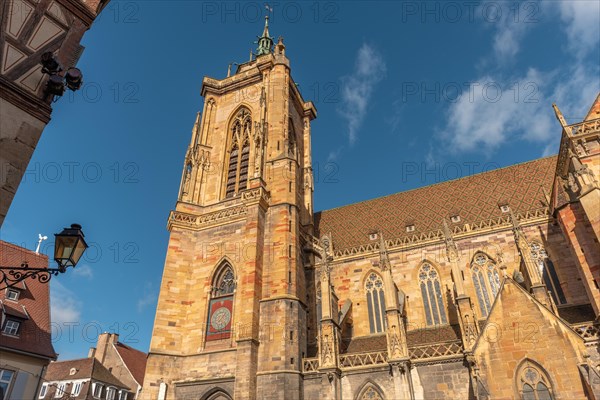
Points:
(433, 293)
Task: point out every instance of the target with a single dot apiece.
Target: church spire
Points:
(265, 42)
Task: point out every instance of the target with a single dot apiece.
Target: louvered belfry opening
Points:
(237, 170)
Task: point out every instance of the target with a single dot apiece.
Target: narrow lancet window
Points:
(486, 281)
(431, 291)
(220, 307)
(239, 153)
(375, 303)
(548, 273)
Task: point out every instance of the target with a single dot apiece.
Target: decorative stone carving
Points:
(395, 343)
(327, 353)
(451, 248)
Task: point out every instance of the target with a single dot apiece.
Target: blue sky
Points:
(408, 94)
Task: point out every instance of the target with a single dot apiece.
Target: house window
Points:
(548, 272)
(60, 390)
(43, 391)
(221, 304)
(11, 327)
(533, 383)
(12, 294)
(239, 153)
(504, 208)
(431, 291)
(76, 388)
(455, 218)
(486, 281)
(375, 303)
(6, 377)
(110, 393)
(410, 228)
(123, 395)
(97, 392)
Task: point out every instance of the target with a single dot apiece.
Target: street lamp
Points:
(69, 246)
(55, 86)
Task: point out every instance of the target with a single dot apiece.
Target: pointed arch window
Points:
(431, 291)
(548, 272)
(291, 139)
(486, 280)
(220, 308)
(533, 383)
(370, 392)
(375, 302)
(239, 153)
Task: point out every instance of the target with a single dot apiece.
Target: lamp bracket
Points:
(11, 276)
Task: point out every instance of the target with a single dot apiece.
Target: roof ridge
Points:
(75, 359)
(23, 249)
(440, 183)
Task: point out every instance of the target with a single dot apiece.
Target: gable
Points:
(518, 328)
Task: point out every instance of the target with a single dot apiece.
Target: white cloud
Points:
(148, 297)
(357, 88)
(482, 121)
(581, 24)
(84, 271)
(510, 22)
(64, 305)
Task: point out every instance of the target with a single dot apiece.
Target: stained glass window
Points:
(220, 306)
(548, 273)
(224, 282)
(375, 302)
(533, 382)
(486, 281)
(239, 153)
(431, 291)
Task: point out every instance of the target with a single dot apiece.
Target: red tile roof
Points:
(34, 334)
(475, 199)
(14, 309)
(135, 361)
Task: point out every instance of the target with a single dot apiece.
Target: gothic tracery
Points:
(239, 153)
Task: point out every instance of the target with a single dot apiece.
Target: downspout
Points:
(40, 380)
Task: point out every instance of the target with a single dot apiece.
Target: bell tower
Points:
(232, 310)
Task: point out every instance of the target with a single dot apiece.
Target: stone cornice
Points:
(208, 220)
(582, 131)
(529, 218)
(237, 211)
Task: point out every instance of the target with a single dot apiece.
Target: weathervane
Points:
(41, 239)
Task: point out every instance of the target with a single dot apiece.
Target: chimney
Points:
(92, 352)
(104, 340)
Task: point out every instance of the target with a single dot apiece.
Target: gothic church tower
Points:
(232, 310)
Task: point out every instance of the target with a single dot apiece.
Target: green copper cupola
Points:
(265, 42)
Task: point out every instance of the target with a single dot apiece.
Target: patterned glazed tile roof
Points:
(443, 333)
(32, 306)
(577, 314)
(476, 199)
(367, 344)
(373, 343)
